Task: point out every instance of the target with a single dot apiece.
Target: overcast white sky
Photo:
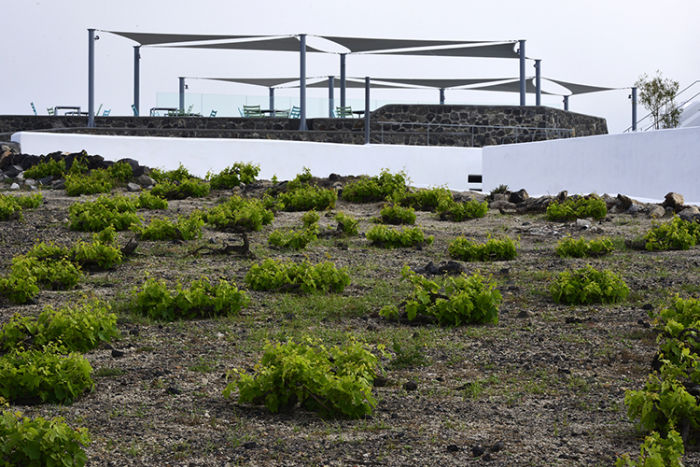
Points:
(599, 42)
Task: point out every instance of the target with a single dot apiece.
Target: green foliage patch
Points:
(377, 188)
(233, 176)
(387, 237)
(293, 239)
(287, 276)
(451, 301)
(93, 216)
(308, 197)
(456, 212)
(570, 247)
(46, 168)
(587, 285)
(202, 299)
(577, 207)
(493, 250)
(148, 200)
(11, 206)
(347, 225)
(677, 234)
(40, 442)
(397, 215)
(98, 180)
(657, 452)
(185, 228)
(239, 215)
(427, 199)
(334, 381)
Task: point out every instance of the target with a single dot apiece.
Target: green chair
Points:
(106, 112)
(33, 108)
(135, 110)
(295, 112)
(343, 112)
(212, 114)
(252, 111)
(51, 111)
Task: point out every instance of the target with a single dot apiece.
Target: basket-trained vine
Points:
(587, 285)
(239, 215)
(178, 184)
(370, 189)
(45, 375)
(335, 381)
(427, 199)
(657, 451)
(310, 219)
(184, 228)
(293, 239)
(93, 216)
(46, 168)
(347, 225)
(11, 206)
(677, 234)
(233, 176)
(456, 212)
(577, 208)
(451, 301)
(203, 299)
(38, 441)
(79, 327)
(397, 215)
(304, 277)
(493, 249)
(148, 200)
(387, 237)
(582, 248)
(97, 180)
(308, 197)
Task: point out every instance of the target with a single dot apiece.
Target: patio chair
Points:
(252, 111)
(212, 114)
(281, 114)
(106, 112)
(33, 108)
(343, 112)
(295, 112)
(51, 111)
(135, 110)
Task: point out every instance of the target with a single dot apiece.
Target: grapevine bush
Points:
(378, 188)
(185, 228)
(148, 200)
(46, 168)
(293, 239)
(588, 285)
(427, 199)
(202, 299)
(93, 216)
(450, 301)
(387, 237)
(676, 234)
(334, 381)
(347, 225)
(493, 250)
(397, 215)
(456, 212)
(657, 452)
(302, 277)
(233, 176)
(11, 206)
(570, 247)
(239, 215)
(577, 208)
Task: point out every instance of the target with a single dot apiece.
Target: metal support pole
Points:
(137, 71)
(342, 80)
(182, 94)
(521, 52)
(331, 96)
(634, 109)
(566, 102)
(442, 96)
(538, 83)
(91, 78)
(272, 102)
(366, 109)
(302, 82)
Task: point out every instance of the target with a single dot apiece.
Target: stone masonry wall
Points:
(440, 125)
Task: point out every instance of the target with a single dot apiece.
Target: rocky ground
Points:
(545, 386)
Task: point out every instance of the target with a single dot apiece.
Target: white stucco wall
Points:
(425, 166)
(641, 165)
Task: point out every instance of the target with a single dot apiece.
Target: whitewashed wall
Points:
(641, 165)
(425, 166)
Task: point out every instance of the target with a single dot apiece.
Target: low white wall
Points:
(641, 165)
(425, 166)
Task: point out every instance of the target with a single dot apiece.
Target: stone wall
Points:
(435, 125)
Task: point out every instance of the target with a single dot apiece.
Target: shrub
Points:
(94, 216)
(100, 255)
(346, 224)
(11, 206)
(178, 175)
(308, 197)
(79, 328)
(378, 188)
(293, 239)
(240, 215)
(20, 286)
(147, 200)
(657, 451)
(302, 277)
(588, 285)
(577, 208)
(189, 188)
(397, 215)
(569, 247)
(310, 219)
(493, 250)
(677, 234)
(97, 181)
(38, 441)
(685, 312)
(186, 228)
(121, 172)
(60, 274)
(427, 200)
(457, 212)
(201, 300)
(387, 237)
(449, 301)
(46, 375)
(46, 168)
(233, 176)
(334, 382)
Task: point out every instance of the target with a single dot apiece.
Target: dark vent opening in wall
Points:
(473, 178)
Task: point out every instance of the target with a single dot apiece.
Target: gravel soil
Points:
(543, 387)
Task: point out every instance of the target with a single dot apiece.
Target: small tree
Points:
(656, 94)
